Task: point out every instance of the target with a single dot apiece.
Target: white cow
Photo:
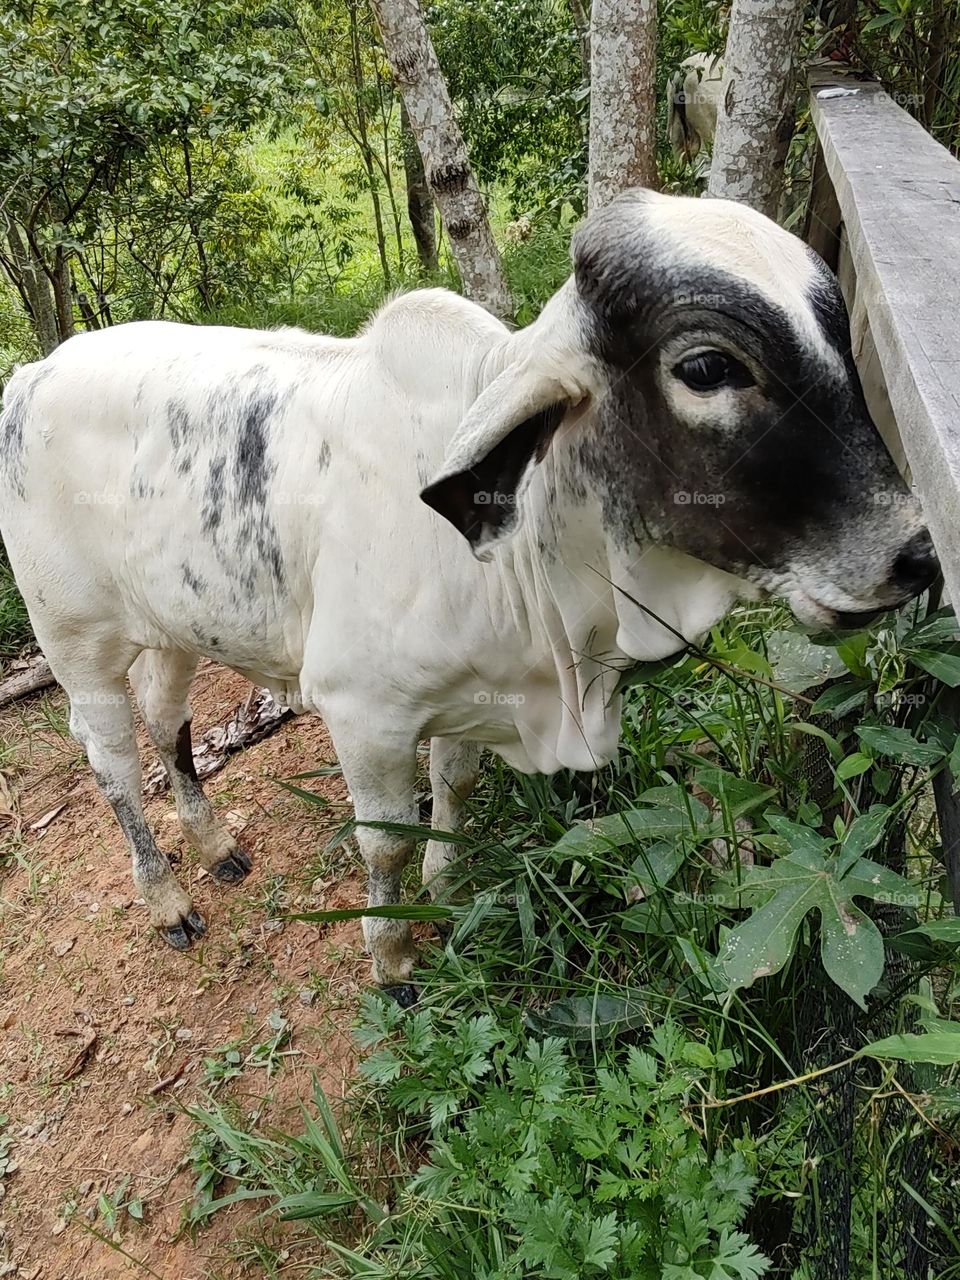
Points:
(693, 99)
(681, 427)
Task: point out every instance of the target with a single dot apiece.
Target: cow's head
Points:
(704, 353)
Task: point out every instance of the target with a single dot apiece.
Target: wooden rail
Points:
(885, 213)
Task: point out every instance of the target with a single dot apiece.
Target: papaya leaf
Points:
(851, 947)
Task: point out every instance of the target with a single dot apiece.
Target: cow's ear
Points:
(506, 432)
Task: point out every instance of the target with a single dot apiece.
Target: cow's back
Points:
(192, 485)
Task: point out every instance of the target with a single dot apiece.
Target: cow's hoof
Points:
(233, 868)
(180, 936)
(405, 993)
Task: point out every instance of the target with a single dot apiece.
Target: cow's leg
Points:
(453, 775)
(381, 775)
(161, 679)
(101, 719)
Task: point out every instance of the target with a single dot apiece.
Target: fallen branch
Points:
(251, 721)
(35, 677)
(167, 1081)
(89, 1037)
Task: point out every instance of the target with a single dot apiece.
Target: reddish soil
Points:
(78, 958)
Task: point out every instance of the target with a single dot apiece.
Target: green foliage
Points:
(15, 632)
(122, 1200)
(121, 126)
(574, 1171)
(514, 70)
(564, 1099)
(821, 875)
(909, 45)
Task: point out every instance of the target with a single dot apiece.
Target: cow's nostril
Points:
(916, 566)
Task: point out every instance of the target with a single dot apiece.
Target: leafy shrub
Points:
(542, 1165)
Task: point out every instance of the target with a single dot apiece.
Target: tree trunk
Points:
(582, 23)
(34, 286)
(420, 206)
(623, 64)
(757, 103)
(363, 139)
(63, 294)
(410, 52)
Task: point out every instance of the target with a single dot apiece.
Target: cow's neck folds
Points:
(592, 609)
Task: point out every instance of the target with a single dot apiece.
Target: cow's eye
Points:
(712, 371)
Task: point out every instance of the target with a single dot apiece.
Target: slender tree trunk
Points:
(63, 294)
(582, 23)
(623, 130)
(34, 286)
(385, 102)
(366, 150)
(757, 102)
(420, 206)
(411, 54)
(204, 281)
(936, 60)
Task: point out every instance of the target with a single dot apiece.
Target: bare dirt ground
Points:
(104, 1030)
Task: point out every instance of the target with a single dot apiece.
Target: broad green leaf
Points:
(862, 835)
(618, 829)
(890, 740)
(817, 731)
(853, 766)
(839, 697)
(945, 930)
(802, 842)
(945, 666)
(940, 1047)
(763, 944)
(588, 1018)
(704, 966)
(798, 663)
(868, 879)
(931, 1022)
(936, 629)
(657, 864)
(853, 650)
(851, 946)
(737, 795)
